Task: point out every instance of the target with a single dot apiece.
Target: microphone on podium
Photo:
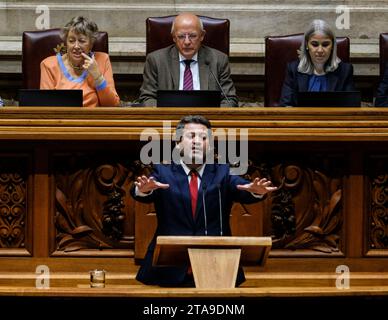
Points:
(204, 186)
(207, 62)
(220, 206)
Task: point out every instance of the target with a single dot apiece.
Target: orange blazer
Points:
(54, 75)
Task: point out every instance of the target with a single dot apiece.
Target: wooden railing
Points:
(64, 170)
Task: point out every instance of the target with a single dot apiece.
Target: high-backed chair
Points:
(38, 45)
(383, 53)
(280, 50)
(158, 33)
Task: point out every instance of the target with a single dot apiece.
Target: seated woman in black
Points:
(318, 67)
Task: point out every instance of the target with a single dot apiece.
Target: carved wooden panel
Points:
(13, 203)
(93, 208)
(377, 206)
(306, 212)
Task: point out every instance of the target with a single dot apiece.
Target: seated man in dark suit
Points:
(382, 91)
(165, 68)
(177, 191)
(318, 67)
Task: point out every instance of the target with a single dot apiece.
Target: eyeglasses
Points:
(192, 36)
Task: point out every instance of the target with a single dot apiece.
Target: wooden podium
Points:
(214, 260)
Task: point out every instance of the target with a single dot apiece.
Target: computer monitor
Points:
(188, 98)
(329, 99)
(50, 98)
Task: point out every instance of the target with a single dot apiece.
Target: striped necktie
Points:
(187, 76)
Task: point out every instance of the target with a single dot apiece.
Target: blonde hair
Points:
(81, 25)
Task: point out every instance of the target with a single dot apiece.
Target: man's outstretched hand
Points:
(258, 186)
(146, 185)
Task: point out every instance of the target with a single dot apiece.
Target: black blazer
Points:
(339, 80)
(382, 91)
(173, 211)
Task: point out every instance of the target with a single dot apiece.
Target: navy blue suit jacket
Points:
(339, 80)
(174, 215)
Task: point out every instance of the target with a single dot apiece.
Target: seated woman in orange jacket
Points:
(80, 68)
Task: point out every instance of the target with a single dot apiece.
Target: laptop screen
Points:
(329, 99)
(50, 98)
(188, 98)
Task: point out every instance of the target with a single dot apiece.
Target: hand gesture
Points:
(146, 185)
(90, 64)
(258, 186)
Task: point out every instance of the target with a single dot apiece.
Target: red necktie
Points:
(187, 76)
(194, 190)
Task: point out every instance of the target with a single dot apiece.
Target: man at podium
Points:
(192, 196)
